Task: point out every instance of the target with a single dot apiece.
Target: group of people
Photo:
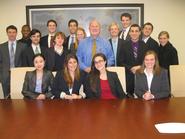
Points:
(81, 61)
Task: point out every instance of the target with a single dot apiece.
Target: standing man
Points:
(146, 37)
(10, 57)
(92, 45)
(131, 56)
(73, 26)
(126, 23)
(25, 35)
(47, 41)
(33, 49)
(115, 41)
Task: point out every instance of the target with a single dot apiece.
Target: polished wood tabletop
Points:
(91, 119)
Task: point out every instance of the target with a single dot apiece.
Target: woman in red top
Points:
(101, 83)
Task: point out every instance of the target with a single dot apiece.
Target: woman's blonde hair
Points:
(76, 41)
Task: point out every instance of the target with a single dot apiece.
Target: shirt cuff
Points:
(82, 94)
(62, 95)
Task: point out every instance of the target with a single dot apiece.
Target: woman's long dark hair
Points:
(94, 73)
(67, 75)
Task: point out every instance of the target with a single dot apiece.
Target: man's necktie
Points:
(52, 41)
(123, 32)
(12, 55)
(94, 48)
(37, 50)
(135, 50)
(72, 42)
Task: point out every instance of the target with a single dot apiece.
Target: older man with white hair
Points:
(92, 45)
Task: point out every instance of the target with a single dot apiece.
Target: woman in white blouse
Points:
(151, 81)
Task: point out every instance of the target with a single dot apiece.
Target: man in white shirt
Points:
(126, 20)
(152, 44)
(35, 48)
(47, 41)
(72, 25)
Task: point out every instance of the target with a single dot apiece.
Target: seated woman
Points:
(151, 81)
(55, 55)
(67, 82)
(101, 83)
(37, 83)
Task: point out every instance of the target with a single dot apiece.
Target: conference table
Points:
(91, 119)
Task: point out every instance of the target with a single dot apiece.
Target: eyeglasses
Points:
(99, 61)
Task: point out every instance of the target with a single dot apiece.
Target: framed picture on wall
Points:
(38, 15)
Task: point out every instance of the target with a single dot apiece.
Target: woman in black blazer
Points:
(67, 82)
(151, 81)
(37, 83)
(101, 83)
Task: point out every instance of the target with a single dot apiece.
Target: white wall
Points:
(164, 14)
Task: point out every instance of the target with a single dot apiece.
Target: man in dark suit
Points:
(115, 41)
(47, 41)
(131, 56)
(146, 37)
(33, 49)
(72, 25)
(25, 35)
(126, 20)
(10, 57)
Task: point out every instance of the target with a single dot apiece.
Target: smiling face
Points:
(80, 35)
(163, 39)
(134, 33)
(39, 63)
(59, 40)
(94, 28)
(52, 27)
(72, 65)
(72, 27)
(126, 21)
(114, 31)
(149, 61)
(99, 63)
(147, 30)
(35, 38)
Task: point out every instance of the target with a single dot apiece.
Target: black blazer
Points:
(153, 45)
(120, 44)
(28, 55)
(159, 86)
(126, 57)
(50, 58)
(30, 83)
(168, 56)
(44, 41)
(60, 85)
(114, 83)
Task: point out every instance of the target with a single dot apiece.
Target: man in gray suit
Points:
(10, 57)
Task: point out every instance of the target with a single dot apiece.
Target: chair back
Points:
(121, 75)
(17, 80)
(177, 79)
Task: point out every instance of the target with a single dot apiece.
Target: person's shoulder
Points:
(44, 37)
(4, 44)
